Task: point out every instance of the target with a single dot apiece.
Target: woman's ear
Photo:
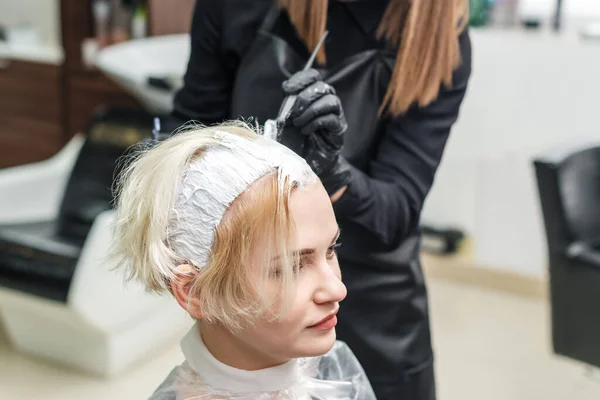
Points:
(180, 286)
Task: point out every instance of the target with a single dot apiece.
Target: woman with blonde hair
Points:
(241, 232)
(371, 119)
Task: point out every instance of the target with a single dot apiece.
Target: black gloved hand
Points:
(318, 114)
(317, 108)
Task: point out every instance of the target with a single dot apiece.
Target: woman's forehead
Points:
(313, 217)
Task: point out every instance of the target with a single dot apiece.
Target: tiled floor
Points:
(490, 346)
(495, 346)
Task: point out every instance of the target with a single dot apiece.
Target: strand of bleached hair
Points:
(146, 193)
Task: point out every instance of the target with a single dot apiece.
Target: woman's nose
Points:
(330, 288)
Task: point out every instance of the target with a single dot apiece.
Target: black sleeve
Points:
(387, 201)
(205, 96)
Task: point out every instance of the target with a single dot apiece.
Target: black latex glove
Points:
(319, 122)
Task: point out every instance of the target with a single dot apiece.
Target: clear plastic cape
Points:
(336, 375)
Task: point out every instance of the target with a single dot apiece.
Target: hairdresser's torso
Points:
(257, 58)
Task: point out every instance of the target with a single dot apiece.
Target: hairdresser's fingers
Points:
(308, 97)
(328, 144)
(317, 155)
(330, 127)
(328, 104)
(301, 80)
(334, 137)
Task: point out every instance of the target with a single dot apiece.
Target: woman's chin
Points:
(318, 346)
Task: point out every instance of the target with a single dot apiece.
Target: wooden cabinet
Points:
(85, 89)
(31, 113)
(89, 90)
(42, 106)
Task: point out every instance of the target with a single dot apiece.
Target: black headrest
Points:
(112, 132)
(575, 175)
(580, 189)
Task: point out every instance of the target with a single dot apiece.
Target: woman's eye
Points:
(276, 273)
(299, 266)
(332, 251)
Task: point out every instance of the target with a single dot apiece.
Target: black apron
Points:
(384, 318)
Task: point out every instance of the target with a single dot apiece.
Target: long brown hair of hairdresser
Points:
(430, 49)
(371, 119)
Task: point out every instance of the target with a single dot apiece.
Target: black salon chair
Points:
(39, 257)
(59, 298)
(569, 189)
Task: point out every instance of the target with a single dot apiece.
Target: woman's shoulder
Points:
(183, 383)
(340, 364)
(340, 355)
(165, 389)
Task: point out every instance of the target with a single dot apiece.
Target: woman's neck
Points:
(237, 370)
(230, 350)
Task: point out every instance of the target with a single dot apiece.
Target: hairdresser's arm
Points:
(222, 31)
(388, 200)
(207, 82)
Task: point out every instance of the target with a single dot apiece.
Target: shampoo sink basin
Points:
(150, 69)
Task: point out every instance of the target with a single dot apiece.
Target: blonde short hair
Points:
(228, 289)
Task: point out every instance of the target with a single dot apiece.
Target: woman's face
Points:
(308, 328)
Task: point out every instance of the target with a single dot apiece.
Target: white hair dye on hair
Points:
(183, 202)
(220, 175)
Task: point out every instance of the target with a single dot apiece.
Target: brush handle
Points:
(289, 101)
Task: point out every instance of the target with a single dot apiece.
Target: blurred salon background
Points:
(511, 227)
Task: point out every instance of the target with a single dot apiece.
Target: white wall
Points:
(570, 7)
(575, 11)
(42, 14)
(529, 92)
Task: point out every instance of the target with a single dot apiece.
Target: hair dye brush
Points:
(274, 127)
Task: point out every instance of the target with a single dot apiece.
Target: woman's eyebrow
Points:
(305, 252)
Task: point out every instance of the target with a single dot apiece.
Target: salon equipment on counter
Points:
(116, 21)
(479, 12)
(569, 189)
(101, 10)
(139, 23)
(59, 298)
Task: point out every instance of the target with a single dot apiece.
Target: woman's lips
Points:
(326, 324)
